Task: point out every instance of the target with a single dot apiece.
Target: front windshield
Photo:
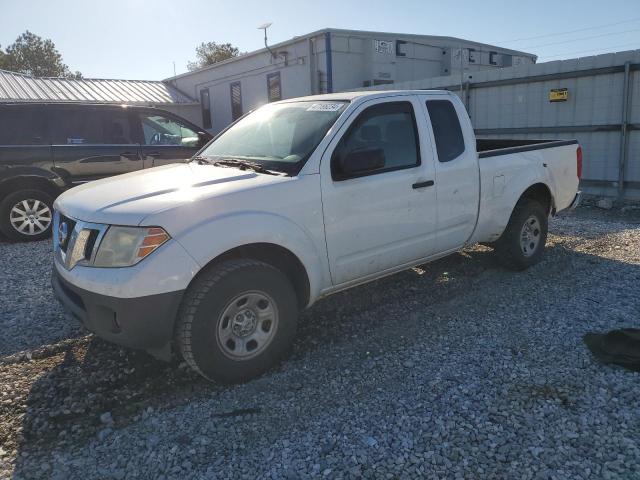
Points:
(280, 136)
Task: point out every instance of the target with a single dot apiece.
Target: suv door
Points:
(91, 142)
(384, 218)
(166, 139)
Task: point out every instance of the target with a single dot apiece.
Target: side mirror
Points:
(359, 161)
(203, 138)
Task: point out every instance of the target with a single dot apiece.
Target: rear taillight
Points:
(579, 161)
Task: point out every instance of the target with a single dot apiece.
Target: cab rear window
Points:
(446, 129)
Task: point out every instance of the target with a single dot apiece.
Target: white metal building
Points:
(330, 60)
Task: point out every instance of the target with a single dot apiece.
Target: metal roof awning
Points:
(16, 87)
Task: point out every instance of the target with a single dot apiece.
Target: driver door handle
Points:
(427, 183)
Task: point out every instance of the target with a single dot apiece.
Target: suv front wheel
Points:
(26, 215)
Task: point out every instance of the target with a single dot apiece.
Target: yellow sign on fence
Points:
(558, 95)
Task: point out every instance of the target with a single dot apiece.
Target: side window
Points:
(274, 89)
(446, 129)
(160, 130)
(117, 128)
(22, 126)
(236, 100)
(389, 128)
(205, 103)
(77, 126)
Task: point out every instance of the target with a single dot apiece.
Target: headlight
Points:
(126, 246)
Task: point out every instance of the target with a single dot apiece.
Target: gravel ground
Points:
(457, 370)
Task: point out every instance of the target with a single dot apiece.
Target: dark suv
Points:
(47, 148)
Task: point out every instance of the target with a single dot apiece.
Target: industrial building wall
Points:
(251, 71)
(602, 111)
(334, 60)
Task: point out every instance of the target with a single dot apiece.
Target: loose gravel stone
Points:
(457, 369)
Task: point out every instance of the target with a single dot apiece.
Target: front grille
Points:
(70, 225)
(75, 241)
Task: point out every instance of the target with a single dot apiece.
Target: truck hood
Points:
(127, 199)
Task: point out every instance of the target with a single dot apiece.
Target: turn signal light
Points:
(155, 237)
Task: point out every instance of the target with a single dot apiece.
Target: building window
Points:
(274, 89)
(472, 55)
(205, 103)
(236, 100)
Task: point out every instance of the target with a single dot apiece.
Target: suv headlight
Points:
(126, 246)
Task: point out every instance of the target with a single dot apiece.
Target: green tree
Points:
(211, 52)
(33, 55)
(3, 59)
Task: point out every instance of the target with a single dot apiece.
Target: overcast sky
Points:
(134, 39)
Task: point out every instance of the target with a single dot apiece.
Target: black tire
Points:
(200, 319)
(6, 215)
(509, 248)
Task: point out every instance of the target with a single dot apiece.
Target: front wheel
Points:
(523, 241)
(237, 319)
(26, 215)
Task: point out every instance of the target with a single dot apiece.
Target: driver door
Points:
(384, 218)
(165, 139)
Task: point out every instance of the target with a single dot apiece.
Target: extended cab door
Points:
(385, 217)
(457, 172)
(166, 139)
(91, 142)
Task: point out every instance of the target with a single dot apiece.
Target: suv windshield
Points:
(279, 136)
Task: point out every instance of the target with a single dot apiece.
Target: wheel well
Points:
(26, 182)
(540, 193)
(277, 256)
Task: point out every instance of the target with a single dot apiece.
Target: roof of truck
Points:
(350, 96)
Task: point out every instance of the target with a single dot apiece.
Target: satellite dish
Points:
(264, 27)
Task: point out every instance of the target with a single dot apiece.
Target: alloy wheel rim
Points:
(247, 325)
(30, 217)
(530, 236)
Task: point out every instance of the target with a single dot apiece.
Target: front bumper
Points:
(140, 322)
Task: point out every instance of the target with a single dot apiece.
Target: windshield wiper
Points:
(202, 160)
(243, 165)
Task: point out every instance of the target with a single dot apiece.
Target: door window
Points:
(22, 126)
(274, 88)
(236, 100)
(117, 127)
(81, 126)
(446, 129)
(161, 130)
(205, 103)
(390, 127)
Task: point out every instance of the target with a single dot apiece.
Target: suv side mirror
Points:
(203, 138)
(359, 162)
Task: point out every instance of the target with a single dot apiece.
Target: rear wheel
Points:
(523, 241)
(26, 215)
(237, 320)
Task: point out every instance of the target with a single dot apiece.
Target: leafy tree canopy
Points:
(211, 52)
(33, 55)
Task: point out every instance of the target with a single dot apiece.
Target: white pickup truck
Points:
(295, 201)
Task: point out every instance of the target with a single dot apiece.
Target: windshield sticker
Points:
(325, 107)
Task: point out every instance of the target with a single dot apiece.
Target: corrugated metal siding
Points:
(15, 87)
(595, 99)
